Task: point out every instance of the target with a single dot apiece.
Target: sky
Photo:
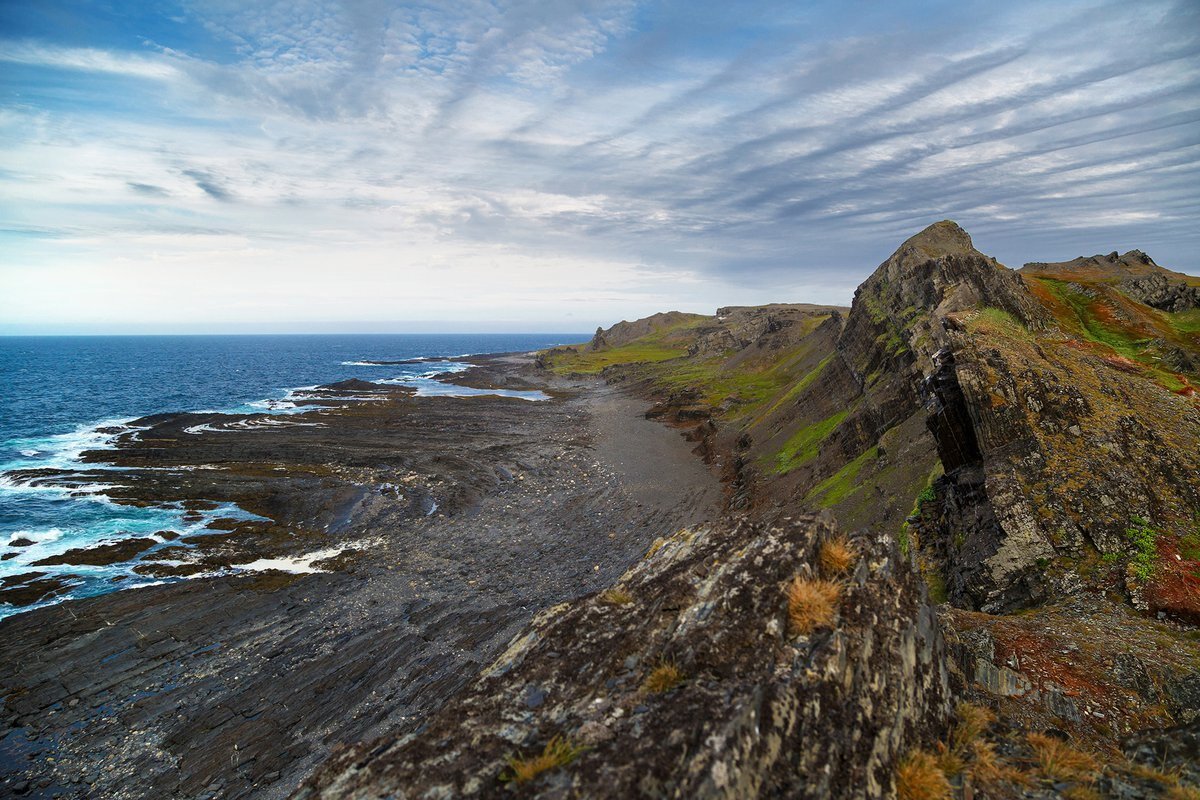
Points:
(308, 165)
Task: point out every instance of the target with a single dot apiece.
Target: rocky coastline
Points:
(441, 525)
(944, 543)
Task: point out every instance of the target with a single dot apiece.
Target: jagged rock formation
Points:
(1043, 428)
(1133, 273)
(757, 710)
(999, 441)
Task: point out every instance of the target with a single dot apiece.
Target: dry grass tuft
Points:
(558, 752)
(1079, 792)
(1057, 759)
(615, 597)
(972, 722)
(919, 778)
(987, 768)
(662, 678)
(812, 604)
(837, 556)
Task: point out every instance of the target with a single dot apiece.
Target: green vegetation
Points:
(1145, 543)
(992, 318)
(935, 583)
(667, 343)
(804, 443)
(591, 362)
(838, 487)
(1189, 544)
(1091, 325)
(717, 383)
(800, 385)
(1185, 322)
(1093, 320)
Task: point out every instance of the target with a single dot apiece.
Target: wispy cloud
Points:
(638, 154)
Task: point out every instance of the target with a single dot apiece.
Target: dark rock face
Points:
(1159, 292)
(758, 712)
(123, 550)
(1177, 749)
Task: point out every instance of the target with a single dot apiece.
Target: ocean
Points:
(60, 391)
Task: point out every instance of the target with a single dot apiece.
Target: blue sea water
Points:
(58, 391)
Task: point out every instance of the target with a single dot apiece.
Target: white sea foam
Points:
(37, 537)
(295, 564)
(427, 386)
(255, 424)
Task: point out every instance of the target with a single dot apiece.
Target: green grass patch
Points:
(935, 583)
(591, 362)
(994, 318)
(1088, 325)
(803, 445)
(1091, 326)
(800, 385)
(1144, 539)
(1184, 322)
(841, 485)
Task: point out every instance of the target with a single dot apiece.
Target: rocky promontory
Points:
(942, 543)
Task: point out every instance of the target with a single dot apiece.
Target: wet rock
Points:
(101, 555)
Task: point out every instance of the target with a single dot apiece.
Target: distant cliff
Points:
(1013, 462)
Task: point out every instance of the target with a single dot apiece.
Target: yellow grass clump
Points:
(812, 604)
(1057, 759)
(837, 556)
(615, 597)
(662, 678)
(558, 752)
(920, 778)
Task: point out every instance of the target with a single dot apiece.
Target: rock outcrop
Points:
(685, 680)
(1134, 273)
(624, 332)
(1033, 440)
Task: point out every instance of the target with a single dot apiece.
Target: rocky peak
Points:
(940, 272)
(943, 238)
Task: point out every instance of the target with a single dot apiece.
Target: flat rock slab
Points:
(446, 524)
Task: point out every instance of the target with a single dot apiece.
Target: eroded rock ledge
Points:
(756, 710)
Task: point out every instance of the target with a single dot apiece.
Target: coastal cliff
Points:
(944, 542)
(1015, 456)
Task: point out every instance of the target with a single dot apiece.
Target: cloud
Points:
(209, 185)
(85, 59)
(761, 153)
(148, 189)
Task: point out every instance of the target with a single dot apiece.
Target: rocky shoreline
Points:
(436, 527)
